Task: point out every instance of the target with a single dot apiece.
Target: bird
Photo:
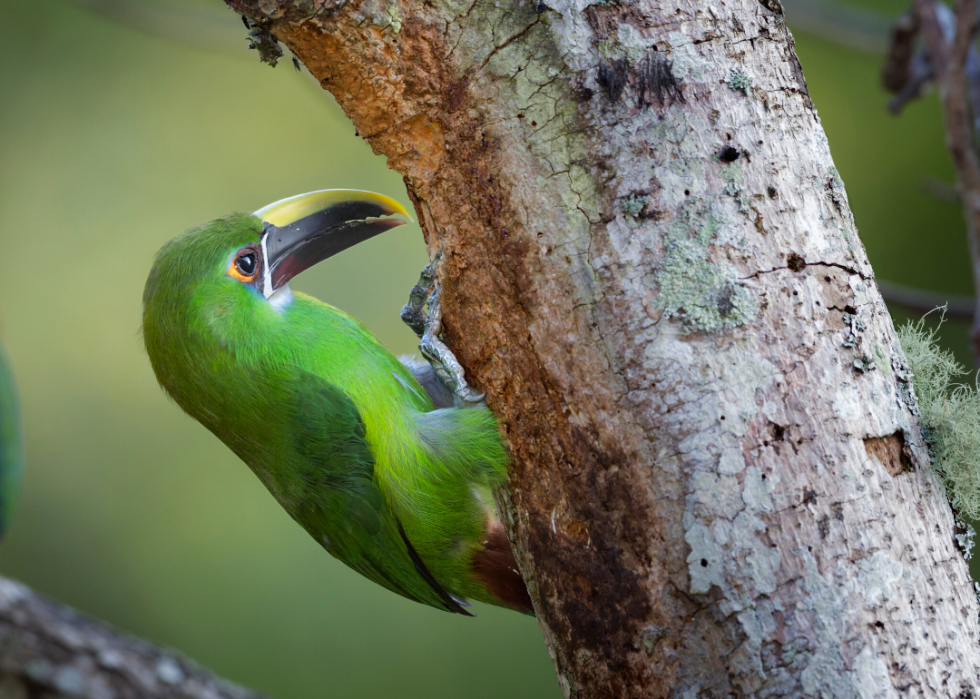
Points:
(368, 453)
(11, 446)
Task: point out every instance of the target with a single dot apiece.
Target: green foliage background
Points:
(113, 140)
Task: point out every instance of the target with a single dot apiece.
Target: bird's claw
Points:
(448, 369)
(428, 327)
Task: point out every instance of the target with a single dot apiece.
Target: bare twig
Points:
(49, 650)
(205, 25)
(920, 78)
(840, 22)
(923, 301)
(940, 191)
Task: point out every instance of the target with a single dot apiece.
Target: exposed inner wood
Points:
(890, 452)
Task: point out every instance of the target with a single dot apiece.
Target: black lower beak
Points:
(304, 230)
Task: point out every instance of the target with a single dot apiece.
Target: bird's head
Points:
(261, 252)
(216, 282)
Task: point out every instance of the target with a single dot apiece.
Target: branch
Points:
(950, 65)
(934, 36)
(940, 191)
(204, 26)
(50, 650)
(924, 301)
(951, 71)
(842, 23)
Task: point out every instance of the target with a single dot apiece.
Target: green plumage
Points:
(338, 430)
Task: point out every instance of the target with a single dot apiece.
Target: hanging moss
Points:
(950, 414)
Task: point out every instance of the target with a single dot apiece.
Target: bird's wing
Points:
(342, 506)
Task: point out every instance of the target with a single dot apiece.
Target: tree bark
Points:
(719, 485)
(50, 651)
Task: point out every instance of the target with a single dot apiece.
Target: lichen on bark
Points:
(705, 296)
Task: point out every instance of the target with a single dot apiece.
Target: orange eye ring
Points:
(245, 265)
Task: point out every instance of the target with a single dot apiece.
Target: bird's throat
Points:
(281, 298)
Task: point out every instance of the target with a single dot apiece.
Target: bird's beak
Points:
(308, 228)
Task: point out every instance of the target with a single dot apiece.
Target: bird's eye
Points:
(246, 264)
(244, 267)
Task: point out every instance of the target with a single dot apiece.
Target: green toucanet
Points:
(11, 445)
(361, 449)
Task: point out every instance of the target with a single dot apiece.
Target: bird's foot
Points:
(413, 312)
(428, 327)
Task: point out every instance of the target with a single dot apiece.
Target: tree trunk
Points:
(719, 487)
(49, 651)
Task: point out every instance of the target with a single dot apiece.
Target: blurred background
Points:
(124, 122)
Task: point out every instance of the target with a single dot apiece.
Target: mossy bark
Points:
(649, 264)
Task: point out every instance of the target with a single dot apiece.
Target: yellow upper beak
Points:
(288, 211)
